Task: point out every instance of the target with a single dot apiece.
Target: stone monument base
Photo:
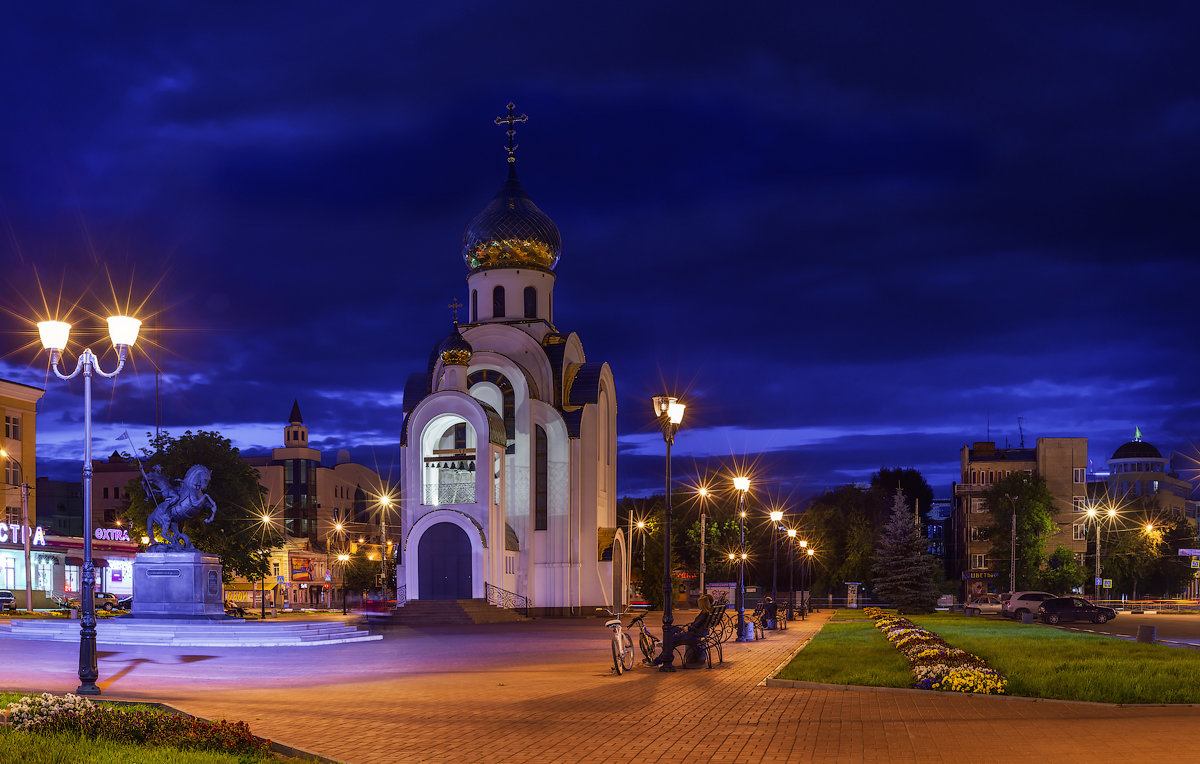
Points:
(177, 585)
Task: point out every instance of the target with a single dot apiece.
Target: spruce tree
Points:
(905, 573)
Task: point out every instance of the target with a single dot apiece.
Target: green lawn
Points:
(1039, 661)
(57, 748)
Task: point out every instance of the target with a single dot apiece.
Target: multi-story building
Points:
(1063, 464)
(1138, 470)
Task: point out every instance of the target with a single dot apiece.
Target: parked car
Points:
(125, 603)
(1021, 603)
(1074, 609)
(7, 600)
(983, 603)
(106, 601)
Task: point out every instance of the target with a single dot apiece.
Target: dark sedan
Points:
(1074, 609)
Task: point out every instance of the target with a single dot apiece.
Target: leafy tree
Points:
(1027, 495)
(361, 574)
(1062, 573)
(905, 573)
(235, 534)
(1144, 555)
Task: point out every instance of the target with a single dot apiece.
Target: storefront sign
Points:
(111, 534)
(11, 533)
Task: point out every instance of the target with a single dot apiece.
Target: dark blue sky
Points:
(854, 236)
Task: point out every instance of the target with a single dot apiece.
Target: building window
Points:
(1078, 532)
(8, 572)
(978, 562)
(12, 427)
(541, 484)
(1079, 503)
(498, 302)
(979, 534)
(106, 493)
(12, 515)
(12, 472)
(474, 305)
(530, 302)
(1080, 475)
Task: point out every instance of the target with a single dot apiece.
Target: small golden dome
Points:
(455, 351)
(511, 232)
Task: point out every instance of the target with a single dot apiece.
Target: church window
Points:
(541, 471)
(460, 436)
(530, 302)
(506, 393)
(474, 305)
(498, 302)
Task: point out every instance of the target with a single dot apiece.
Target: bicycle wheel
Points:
(616, 651)
(648, 645)
(627, 652)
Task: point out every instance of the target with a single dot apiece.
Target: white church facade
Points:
(508, 447)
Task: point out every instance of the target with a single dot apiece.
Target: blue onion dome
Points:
(455, 350)
(511, 232)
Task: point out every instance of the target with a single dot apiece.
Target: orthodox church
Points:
(508, 447)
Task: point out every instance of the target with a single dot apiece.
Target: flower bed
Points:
(71, 713)
(935, 664)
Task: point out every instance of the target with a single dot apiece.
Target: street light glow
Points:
(741, 483)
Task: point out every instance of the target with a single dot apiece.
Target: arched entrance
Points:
(444, 563)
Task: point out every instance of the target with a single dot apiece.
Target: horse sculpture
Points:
(179, 504)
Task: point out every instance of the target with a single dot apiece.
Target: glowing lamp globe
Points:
(776, 515)
(54, 334)
(123, 330)
(741, 483)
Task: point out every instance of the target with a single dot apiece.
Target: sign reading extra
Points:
(111, 534)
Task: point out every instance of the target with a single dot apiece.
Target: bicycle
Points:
(622, 645)
(648, 643)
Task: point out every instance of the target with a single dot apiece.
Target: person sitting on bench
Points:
(691, 634)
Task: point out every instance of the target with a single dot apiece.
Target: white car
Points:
(1021, 603)
(983, 603)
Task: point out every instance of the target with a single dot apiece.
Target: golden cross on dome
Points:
(454, 306)
(511, 121)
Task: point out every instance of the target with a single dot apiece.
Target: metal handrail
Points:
(401, 595)
(506, 599)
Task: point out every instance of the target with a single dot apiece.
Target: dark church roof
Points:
(1137, 449)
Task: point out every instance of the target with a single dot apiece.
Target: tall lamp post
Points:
(1012, 569)
(791, 572)
(742, 485)
(669, 412)
(1092, 513)
(344, 559)
(776, 517)
(385, 503)
(123, 331)
(808, 577)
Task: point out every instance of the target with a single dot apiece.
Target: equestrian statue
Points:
(179, 503)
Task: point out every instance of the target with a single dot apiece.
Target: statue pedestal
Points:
(177, 585)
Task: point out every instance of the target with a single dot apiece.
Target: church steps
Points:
(451, 612)
(196, 633)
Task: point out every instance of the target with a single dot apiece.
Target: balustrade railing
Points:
(506, 599)
(401, 595)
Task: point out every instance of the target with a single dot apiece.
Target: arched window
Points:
(541, 481)
(498, 302)
(530, 302)
(474, 305)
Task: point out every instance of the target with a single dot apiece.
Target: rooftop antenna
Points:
(1021, 429)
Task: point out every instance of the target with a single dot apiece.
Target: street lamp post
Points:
(791, 610)
(669, 412)
(343, 558)
(123, 332)
(742, 485)
(805, 604)
(1095, 516)
(1012, 569)
(776, 517)
(385, 503)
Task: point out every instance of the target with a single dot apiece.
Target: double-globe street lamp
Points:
(123, 331)
(669, 412)
(344, 560)
(742, 485)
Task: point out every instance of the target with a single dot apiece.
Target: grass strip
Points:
(56, 748)
(1042, 662)
(852, 652)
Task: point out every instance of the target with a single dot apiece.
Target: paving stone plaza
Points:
(544, 692)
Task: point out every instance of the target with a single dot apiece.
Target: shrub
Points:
(33, 710)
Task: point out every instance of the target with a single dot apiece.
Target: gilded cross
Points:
(511, 121)
(454, 306)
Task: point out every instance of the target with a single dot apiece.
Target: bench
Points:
(720, 630)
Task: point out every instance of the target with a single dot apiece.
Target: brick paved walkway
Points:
(544, 692)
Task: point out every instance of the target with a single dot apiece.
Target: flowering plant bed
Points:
(51, 714)
(935, 664)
